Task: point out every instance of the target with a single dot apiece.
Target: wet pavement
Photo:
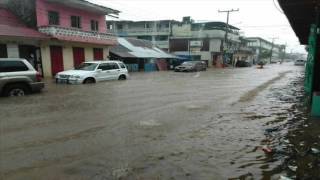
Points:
(220, 124)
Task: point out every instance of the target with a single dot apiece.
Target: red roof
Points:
(11, 26)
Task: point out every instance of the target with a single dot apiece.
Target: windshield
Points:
(188, 63)
(87, 66)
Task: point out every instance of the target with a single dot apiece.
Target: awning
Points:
(301, 14)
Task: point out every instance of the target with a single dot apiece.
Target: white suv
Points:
(94, 71)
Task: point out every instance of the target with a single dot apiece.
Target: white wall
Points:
(13, 50)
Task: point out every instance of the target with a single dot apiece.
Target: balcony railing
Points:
(72, 32)
(140, 30)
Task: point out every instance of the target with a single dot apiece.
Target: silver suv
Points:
(18, 77)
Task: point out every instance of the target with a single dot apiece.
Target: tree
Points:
(25, 10)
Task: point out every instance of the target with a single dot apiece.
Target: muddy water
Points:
(163, 125)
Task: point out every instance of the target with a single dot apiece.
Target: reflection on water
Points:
(292, 138)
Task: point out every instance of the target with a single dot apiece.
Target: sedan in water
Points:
(191, 66)
(94, 71)
(299, 62)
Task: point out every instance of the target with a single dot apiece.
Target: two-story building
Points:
(158, 32)
(78, 32)
(263, 49)
(201, 41)
(75, 31)
(204, 40)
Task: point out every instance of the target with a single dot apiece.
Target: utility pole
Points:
(272, 46)
(225, 42)
(283, 53)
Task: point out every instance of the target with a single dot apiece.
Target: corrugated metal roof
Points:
(139, 49)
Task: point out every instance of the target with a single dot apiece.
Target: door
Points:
(97, 53)
(3, 51)
(114, 71)
(105, 73)
(78, 56)
(56, 59)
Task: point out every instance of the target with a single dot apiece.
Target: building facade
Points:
(204, 41)
(197, 41)
(74, 31)
(19, 41)
(263, 49)
(158, 32)
(77, 30)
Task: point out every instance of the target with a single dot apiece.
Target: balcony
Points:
(141, 31)
(77, 35)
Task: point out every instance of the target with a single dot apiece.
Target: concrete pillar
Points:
(13, 50)
(46, 60)
(67, 57)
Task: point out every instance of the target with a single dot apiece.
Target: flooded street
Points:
(209, 125)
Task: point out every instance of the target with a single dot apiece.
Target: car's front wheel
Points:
(122, 77)
(89, 81)
(16, 90)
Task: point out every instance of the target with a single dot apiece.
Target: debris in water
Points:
(284, 178)
(267, 149)
(315, 151)
(293, 168)
(150, 123)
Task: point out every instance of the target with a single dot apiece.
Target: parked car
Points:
(94, 71)
(18, 77)
(243, 64)
(191, 66)
(299, 62)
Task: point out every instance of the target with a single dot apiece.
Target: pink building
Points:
(78, 33)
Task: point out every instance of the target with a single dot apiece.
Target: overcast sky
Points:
(262, 18)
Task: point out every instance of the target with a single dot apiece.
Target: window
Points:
(3, 51)
(114, 65)
(76, 21)
(122, 66)
(162, 38)
(109, 26)
(12, 66)
(94, 25)
(53, 18)
(105, 66)
(119, 26)
(147, 25)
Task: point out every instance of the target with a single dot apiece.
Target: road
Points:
(161, 125)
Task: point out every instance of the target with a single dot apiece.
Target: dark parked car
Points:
(18, 77)
(191, 66)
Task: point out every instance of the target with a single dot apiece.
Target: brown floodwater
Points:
(164, 125)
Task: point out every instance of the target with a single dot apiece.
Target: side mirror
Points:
(99, 70)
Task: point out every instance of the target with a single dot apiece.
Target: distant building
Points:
(262, 49)
(244, 53)
(204, 41)
(197, 41)
(141, 55)
(158, 32)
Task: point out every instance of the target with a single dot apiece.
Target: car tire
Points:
(12, 90)
(89, 81)
(122, 77)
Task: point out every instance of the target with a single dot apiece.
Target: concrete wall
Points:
(181, 31)
(214, 45)
(13, 50)
(65, 13)
(67, 50)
